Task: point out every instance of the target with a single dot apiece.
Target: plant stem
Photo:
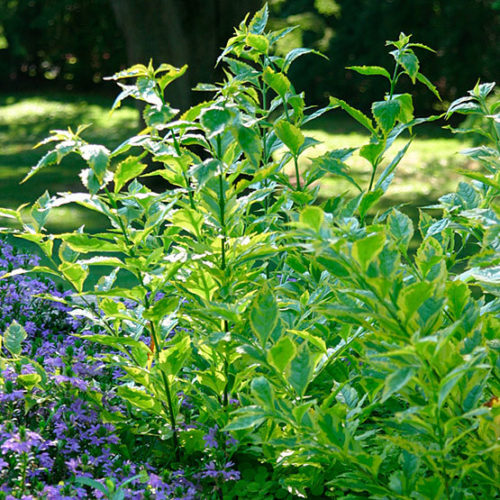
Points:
(172, 417)
(297, 173)
(394, 79)
(222, 208)
(295, 157)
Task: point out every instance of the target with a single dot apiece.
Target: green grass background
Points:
(427, 171)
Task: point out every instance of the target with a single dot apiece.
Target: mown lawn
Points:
(427, 171)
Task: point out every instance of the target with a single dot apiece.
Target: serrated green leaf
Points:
(410, 63)
(76, 274)
(367, 249)
(245, 422)
(97, 158)
(302, 369)
(138, 398)
(282, 353)
(448, 383)
(371, 70)
(259, 20)
(290, 135)
(457, 295)
(423, 79)
(372, 151)
(312, 217)
(412, 297)
(386, 113)
(203, 172)
(406, 107)
(189, 220)
(50, 158)
(401, 227)
(355, 113)
(84, 243)
(215, 120)
(368, 200)
(127, 170)
(295, 54)
(385, 175)
(173, 359)
(331, 163)
(258, 42)
(277, 81)
(251, 144)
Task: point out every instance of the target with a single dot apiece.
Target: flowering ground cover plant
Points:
(268, 347)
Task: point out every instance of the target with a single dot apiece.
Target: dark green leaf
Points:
(263, 391)
(401, 227)
(215, 120)
(250, 143)
(302, 369)
(396, 381)
(409, 61)
(264, 315)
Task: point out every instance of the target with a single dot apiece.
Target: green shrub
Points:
(316, 338)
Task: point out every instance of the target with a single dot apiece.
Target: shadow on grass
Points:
(26, 119)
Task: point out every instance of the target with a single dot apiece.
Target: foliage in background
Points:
(59, 43)
(464, 34)
(75, 43)
(304, 338)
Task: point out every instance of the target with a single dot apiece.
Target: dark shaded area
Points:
(464, 33)
(59, 44)
(72, 44)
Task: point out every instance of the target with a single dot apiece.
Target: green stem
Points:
(175, 437)
(372, 178)
(295, 158)
(184, 175)
(394, 80)
(154, 337)
(222, 209)
(441, 458)
(297, 173)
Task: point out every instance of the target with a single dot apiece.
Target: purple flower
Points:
(210, 438)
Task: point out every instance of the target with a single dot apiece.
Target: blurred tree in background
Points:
(57, 44)
(73, 43)
(180, 32)
(464, 33)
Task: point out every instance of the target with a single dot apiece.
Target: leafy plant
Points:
(300, 336)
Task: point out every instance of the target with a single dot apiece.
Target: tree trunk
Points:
(180, 32)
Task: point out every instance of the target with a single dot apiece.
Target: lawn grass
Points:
(26, 119)
(427, 171)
